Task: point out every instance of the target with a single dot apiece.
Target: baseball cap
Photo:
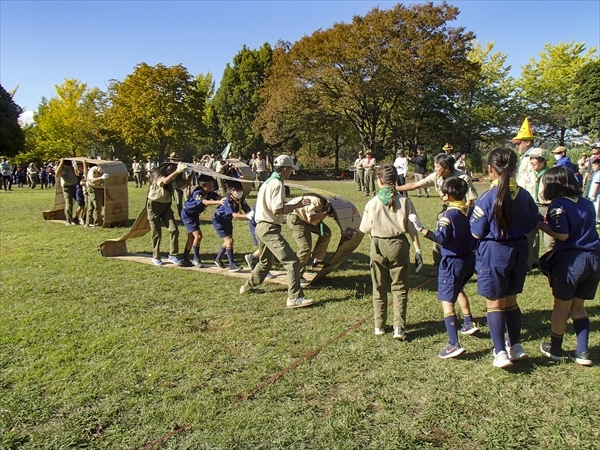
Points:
(538, 153)
(285, 161)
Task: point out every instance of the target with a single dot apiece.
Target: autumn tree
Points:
(68, 124)
(12, 139)
(157, 110)
(547, 85)
(585, 106)
(238, 98)
(484, 108)
(376, 70)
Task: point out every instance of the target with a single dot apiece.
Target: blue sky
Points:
(42, 43)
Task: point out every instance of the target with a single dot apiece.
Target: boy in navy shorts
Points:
(457, 265)
(573, 265)
(222, 221)
(201, 197)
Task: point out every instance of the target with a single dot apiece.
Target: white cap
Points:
(285, 161)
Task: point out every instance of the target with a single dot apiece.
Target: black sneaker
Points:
(583, 358)
(235, 268)
(219, 264)
(546, 347)
(186, 263)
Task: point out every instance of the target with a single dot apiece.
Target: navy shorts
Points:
(191, 224)
(573, 273)
(501, 267)
(79, 196)
(224, 228)
(453, 274)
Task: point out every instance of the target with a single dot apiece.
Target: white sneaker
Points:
(501, 360)
(399, 333)
(515, 352)
(303, 282)
(299, 302)
(379, 331)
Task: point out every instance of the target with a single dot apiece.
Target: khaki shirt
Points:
(369, 163)
(535, 185)
(158, 192)
(306, 212)
(524, 170)
(380, 221)
(94, 172)
(436, 182)
(270, 197)
(67, 175)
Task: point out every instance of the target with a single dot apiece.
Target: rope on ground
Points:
(282, 372)
(315, 352)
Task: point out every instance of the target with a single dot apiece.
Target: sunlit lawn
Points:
(102, 353)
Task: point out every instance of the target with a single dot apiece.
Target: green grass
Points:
(101, 353)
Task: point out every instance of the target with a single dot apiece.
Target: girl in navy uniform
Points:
(573, 265)
(232, 208)
(502, 218)
(457, 265)
(197, 201)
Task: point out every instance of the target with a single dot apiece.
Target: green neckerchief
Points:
(538, 177)
(385, 194)
(274, 176)
(512, 186)
(461, 205)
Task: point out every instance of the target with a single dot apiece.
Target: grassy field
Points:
(101, 353)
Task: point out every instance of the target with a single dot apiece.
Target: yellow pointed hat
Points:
(525, 132)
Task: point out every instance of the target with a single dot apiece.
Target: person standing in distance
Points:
(359, 172)
(420, 162)
(270, 209)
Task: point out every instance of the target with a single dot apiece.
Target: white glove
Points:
(181, 167)
(415, 219)
(104, 176)
(250, 215)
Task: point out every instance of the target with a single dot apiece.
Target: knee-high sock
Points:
(514, 321)
(229, 252)
(495, 320)
(452, 329)
(582, 330)
(220, 253)
(196, 249)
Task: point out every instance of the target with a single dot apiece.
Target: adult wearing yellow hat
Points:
(524, 141)
(448, 148)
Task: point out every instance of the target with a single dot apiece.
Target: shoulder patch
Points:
(555, 213)
(443, 222)
(478, 213)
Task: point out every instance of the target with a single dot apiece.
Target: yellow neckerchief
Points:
(461, 205)
(512, 186)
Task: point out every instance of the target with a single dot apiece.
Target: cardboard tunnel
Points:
(116, 197)
(345, 214)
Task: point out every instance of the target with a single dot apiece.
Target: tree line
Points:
(386, 81)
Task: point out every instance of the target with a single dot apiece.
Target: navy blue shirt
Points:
(525, 215)
(193, 206)
(577, 218)
(224, 212)
(453, 233)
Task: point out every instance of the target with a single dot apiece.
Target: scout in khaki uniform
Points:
(68, 178)
(306, 221)
(369, 165)
(95, 188)
(359, 172)
(270, 209)
(385, 220)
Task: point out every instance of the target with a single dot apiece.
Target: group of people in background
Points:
(30, 175)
